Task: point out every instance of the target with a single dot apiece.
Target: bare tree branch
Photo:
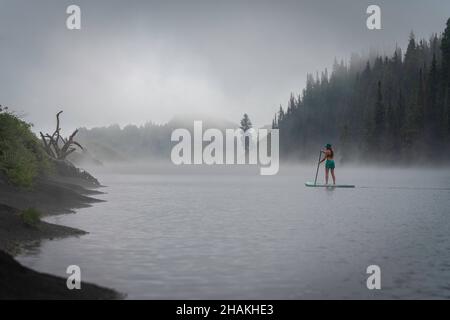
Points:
(78, 145)
(52, 145)
(47, 147)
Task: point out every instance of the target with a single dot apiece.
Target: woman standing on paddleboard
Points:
(329, 162)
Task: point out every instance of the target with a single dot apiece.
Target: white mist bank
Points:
(356, 173)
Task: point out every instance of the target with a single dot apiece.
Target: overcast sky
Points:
(139, 61)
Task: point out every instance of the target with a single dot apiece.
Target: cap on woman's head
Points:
(328, 146)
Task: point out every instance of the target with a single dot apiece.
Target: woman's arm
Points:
(324, 156)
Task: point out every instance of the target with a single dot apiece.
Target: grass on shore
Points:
(31, 217)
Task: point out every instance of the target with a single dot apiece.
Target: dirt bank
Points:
(18, 282)
(51, 196)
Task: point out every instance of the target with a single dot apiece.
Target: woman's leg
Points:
(332, 174)
(326, 175)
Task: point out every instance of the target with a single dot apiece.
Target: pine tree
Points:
(445, 49)
(420, 111)
(280, 115)
(246, 124)
(379, 124)
(433, 114)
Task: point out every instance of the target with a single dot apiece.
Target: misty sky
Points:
(139, 61)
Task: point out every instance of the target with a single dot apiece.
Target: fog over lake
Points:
(233, 234)
(130, 130)
(137, 61)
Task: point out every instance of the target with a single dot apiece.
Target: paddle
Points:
(318, 164)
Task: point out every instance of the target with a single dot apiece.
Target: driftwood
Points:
(58, 147)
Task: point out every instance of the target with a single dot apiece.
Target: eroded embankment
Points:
(50, 196)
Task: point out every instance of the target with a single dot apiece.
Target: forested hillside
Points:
(385, 108)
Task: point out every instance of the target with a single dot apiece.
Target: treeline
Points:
(116, 144)
(150, 141)
(379, 108)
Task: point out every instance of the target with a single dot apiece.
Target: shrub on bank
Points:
(22, 158)
(31, 217)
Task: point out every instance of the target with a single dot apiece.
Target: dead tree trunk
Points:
(56, 146)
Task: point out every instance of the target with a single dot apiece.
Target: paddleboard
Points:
(311, 184)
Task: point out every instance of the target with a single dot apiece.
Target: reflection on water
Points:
(219, 236)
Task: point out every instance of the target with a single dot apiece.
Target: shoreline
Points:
(51, 196)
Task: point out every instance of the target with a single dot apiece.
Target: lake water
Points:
(238, 235)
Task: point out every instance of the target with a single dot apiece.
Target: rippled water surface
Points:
(241, 235)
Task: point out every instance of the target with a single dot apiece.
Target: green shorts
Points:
(329, 164)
